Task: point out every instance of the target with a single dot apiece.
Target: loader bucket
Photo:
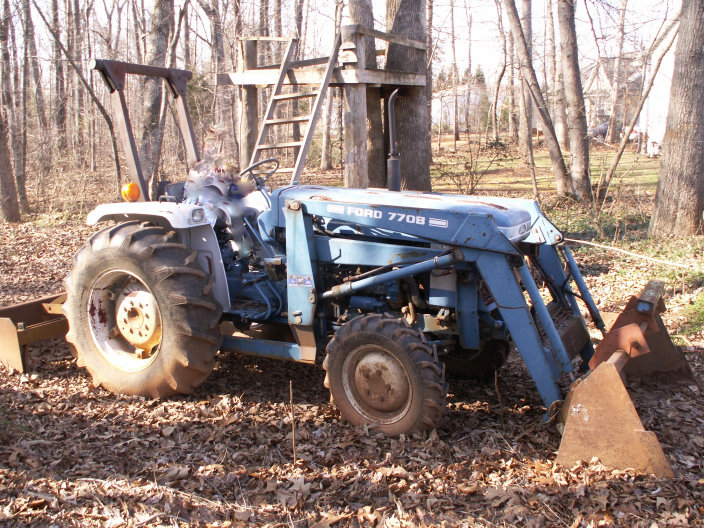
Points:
(26, 323)
(602, 422)
(665, 359)
(598, 415)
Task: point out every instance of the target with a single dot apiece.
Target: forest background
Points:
(55, 112)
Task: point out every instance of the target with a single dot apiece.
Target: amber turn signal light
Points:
(130, 192)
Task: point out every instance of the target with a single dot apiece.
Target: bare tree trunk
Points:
(277, 29)
(70, 81)
(295, 109)
(15, 101)
(525, 125)
(30, 42)
(499, 77)
(616, 82)
(138, 28)
(236, 93)
(557, 106)
(111, 39)
(154, 183)
(361, 13)
(325, 158)
(550, 58)
(187, 38)
(78, 92)
(679, 202)
(45, 139)
(455, 79)
(576, 113)
(440, 127)
(57, 40)
(18, 130)
(407, 19)
(248, 115)
(468, 95)
(429, 74)
(264, 51)
(559, 114)
(60, 112)
(92, 133)
(325, 154)
(153, 129)
(528, 73)
(221, 109)
(9, 205)
(512, 115)
(247, 122)
(531, 164)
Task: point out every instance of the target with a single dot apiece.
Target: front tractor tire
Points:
(142, 315)
(382, 372)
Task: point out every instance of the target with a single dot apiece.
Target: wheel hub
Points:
(381, 382)
(137, 317)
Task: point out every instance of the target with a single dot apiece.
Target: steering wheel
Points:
(259, 180)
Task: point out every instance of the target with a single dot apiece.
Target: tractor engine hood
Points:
(517, 219)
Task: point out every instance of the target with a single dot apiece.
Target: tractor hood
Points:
(517, 219)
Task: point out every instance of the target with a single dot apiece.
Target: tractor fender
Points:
(178, 216)
(190, 224)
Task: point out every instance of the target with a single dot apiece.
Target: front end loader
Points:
(390, 290)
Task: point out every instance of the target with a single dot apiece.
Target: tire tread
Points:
(190, 306)
(419, 351)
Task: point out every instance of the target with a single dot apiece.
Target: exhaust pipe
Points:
(393, 164)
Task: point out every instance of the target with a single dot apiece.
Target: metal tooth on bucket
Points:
(598, 414)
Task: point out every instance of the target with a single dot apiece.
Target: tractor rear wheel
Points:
(382, 372)
(142, 315)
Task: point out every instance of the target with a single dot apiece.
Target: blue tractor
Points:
(392, 291)
(390, 288)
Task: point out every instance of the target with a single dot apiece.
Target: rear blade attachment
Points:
(26, 323)
(598, 415)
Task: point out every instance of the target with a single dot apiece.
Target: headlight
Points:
(198, 215)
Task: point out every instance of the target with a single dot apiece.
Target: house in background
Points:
(653, 118)
(598, 87)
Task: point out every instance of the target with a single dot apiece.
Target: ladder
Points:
(277, 95)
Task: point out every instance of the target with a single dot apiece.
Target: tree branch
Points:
(88, 88)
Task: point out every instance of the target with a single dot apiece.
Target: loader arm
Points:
(481, 241)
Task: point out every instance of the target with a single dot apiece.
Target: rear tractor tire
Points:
(382, 372)
(142, 315)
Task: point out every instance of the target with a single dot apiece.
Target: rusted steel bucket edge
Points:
(26, 323)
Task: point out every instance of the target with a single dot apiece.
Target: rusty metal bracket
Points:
(114, 74)
(26, 323)
(664, 359)
(629, 338)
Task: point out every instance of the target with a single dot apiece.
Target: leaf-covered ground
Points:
(75, 455)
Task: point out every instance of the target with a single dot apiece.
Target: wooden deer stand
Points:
(346, 67)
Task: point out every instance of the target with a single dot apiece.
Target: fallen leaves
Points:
(74, 455)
